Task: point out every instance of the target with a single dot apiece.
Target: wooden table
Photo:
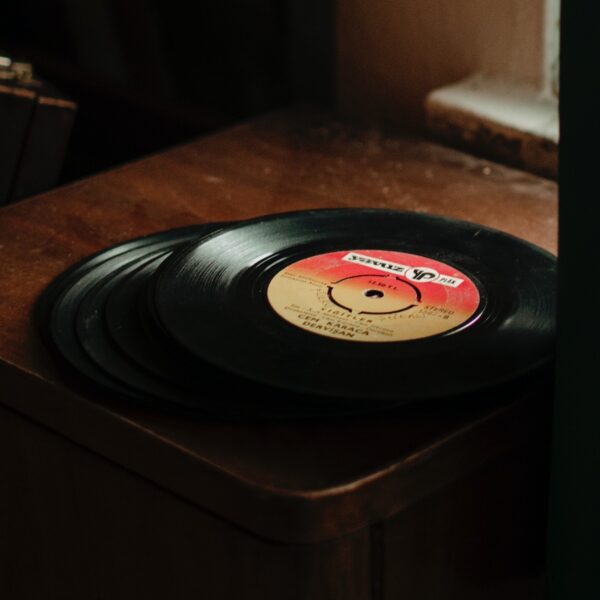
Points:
(104, 500)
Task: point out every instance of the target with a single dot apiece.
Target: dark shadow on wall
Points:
(151, 73)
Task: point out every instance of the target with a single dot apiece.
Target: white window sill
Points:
(503, 121)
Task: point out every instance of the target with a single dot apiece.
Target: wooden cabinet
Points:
(101, 499)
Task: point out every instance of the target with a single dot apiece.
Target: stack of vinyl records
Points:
(323, 312)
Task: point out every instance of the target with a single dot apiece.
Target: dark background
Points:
(147, 74)
(150, 73)
(574, 517)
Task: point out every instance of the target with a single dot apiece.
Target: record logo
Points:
(421, 274)
(416, 273)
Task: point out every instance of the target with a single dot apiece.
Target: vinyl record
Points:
(118, 334)
(361, 307)
(59, 310)
(96, 342)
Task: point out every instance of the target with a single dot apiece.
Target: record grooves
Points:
(323, 312)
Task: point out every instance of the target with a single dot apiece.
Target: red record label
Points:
(373, 296)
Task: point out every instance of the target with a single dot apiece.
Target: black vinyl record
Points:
(361, 307)
(71, 318)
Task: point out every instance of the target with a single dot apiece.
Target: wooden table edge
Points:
(292, 516)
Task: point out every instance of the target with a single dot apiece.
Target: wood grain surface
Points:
(292, 482)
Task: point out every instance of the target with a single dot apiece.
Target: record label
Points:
(373, 296)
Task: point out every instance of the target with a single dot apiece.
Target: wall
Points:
(391, 53)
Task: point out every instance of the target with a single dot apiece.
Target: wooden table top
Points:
(299, 482)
